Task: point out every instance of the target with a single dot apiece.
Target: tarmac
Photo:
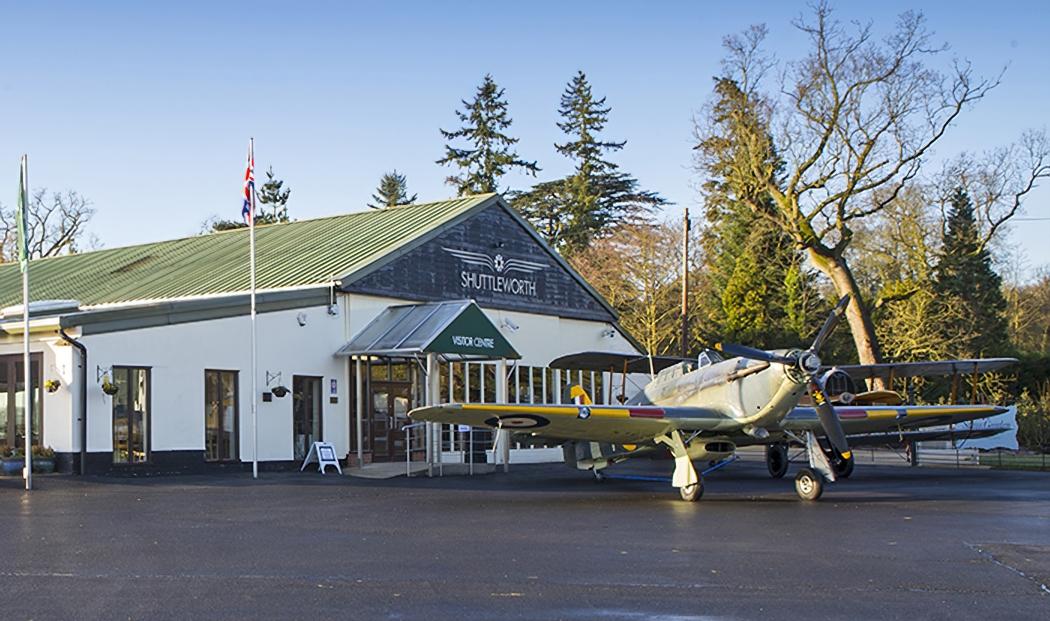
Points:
(542, 542)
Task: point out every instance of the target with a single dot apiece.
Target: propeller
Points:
(808, 362)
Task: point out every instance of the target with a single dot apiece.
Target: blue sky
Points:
(146, 107)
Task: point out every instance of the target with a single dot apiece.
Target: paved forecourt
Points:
(543, 542)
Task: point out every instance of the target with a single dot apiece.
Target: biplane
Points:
(701, 410)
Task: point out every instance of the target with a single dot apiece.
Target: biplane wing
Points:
(594, 423)
(614, 361)
(895, 370)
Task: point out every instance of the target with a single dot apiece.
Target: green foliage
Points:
(965, 279)
(1033, 418)
(575, 210)
(489, 152)
(271, 206)
(392, 191)
(757, 290)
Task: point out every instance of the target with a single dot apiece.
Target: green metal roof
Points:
(291, 255)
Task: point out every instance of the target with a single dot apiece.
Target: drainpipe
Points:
(83, 396)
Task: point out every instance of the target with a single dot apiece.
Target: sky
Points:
(146, 108)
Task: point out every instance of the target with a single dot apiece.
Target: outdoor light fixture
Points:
(508, 324)
(609, 333)
(279, 391)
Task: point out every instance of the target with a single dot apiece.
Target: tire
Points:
(843, 467)
(692, 493)
(777, 460)
(808, 485)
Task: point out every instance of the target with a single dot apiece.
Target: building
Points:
(141, 355)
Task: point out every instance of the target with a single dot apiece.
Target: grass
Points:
(1016, 462)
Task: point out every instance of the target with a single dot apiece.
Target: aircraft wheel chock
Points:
(808, 485)
(777, 460)
(692, 493)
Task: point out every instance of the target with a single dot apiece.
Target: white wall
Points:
(179, 354)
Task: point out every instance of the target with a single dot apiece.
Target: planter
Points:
(13, 466)
(44, 465)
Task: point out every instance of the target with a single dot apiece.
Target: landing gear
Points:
(693, 492)
(777, 460)
(843, 467)
(808, 484)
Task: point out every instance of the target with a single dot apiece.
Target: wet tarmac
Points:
(543, 542)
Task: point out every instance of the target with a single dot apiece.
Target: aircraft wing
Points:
(873, 419)
(925, 435)
(615, 361)
(931, 368)
(594, 423)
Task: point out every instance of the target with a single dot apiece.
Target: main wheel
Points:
(808, 485)
(692, 493)
(843, 467)
(777, 460)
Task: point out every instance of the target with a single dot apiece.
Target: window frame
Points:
(147, 441)
(236, 448)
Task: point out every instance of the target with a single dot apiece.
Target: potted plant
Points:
(43, 459)
(109, 387)
(14, 460)
(52, 385)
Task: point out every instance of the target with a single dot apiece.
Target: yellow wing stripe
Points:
(572, 410)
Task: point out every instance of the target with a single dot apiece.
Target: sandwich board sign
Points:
(324, 454)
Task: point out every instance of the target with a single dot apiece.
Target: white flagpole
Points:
(255, 372)
(28, 391)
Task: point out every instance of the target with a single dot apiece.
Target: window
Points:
(131, 415)
(220, 415)
(12, 400)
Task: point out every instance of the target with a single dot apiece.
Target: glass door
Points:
(13, 399)
(391, 402)
(220, 415)
(306, 414)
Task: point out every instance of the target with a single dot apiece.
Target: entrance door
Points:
(306, 414)
(390, 404)
(13, 398)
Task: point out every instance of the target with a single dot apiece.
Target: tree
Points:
(966, 280)
(392, 190)
(56, 225)
(575, 210)
(853, 121)
(758, 292)
(489, 153)
(272, 195)
(638, 271)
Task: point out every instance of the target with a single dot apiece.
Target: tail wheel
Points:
(692, 493)
(777, 460)
(808, 485)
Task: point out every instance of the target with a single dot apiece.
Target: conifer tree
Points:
(965, 277)
(489, 152)
(575, 210)
(271, 206)
(392, 190)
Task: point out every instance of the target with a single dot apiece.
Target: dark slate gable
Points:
(491, 258)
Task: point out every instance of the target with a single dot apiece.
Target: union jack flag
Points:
(248, 210)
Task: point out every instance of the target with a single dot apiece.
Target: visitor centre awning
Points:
(455, 330)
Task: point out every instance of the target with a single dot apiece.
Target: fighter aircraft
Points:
(699, 410)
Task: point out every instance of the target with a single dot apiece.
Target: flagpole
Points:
(28, 391)
(255, 372)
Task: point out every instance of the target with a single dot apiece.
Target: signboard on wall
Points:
(489, 257)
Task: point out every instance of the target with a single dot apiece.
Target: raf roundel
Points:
(585, 412)
(517, 421)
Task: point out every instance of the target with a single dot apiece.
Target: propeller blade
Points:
(743, 351)
(829, 324)
(828, 419)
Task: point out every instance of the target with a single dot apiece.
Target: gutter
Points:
(82, 420)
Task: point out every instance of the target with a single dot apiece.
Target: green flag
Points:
(23, 209)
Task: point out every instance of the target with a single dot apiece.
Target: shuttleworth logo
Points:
(497, 273)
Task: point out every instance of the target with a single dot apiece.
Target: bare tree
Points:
(56, 225)
(846, 131)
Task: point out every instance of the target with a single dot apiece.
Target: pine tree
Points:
(392, 190)
(575, 210)
(964, 277)
(272, 194)
(757, 291)
(489, 154)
